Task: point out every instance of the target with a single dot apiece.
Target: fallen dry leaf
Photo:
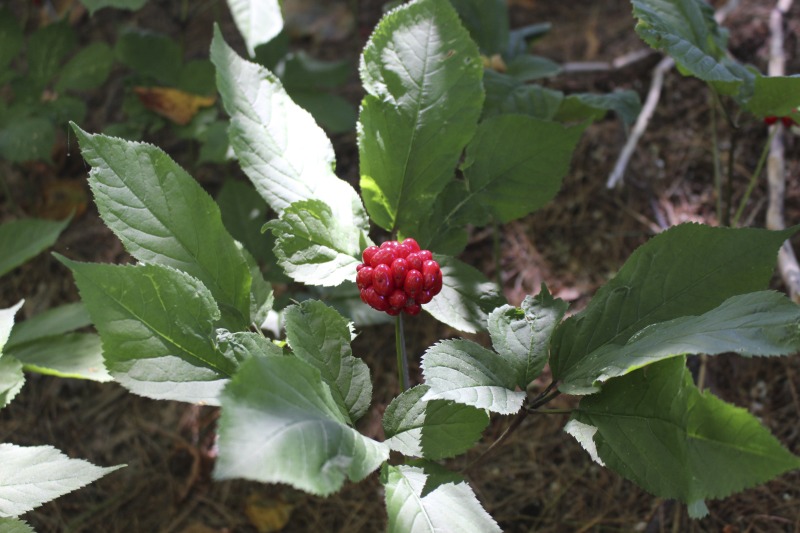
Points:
(268, 514)
(62, 198)
(176, 105)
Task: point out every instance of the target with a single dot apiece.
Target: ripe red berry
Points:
(425, 255)
(375, 300)
(382, 280)
(393, 311)
(769, 121)
(367, 254)
(424, 296)
(413, 283)
(402, 250)
(398, 299)
(412, 309)
(414, 261)
(787, 122)
(364, 277)
(430, 269)
(384, 256)
(411, 243)
(399, 271)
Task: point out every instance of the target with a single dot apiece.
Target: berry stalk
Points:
(402, 357)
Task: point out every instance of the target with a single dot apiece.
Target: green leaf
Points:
(33, 475)
(436, 430)
(197, 77)
(7, 324)
(280, 148)
(508, 95)
(303, 72)
(243, 213)
(528, 68)
(46, 48)
(467, 297)
(451, 507)
(130, 5)
(487, 23)
(655, 428)
(315, 247)
(54, 321)
(27, 139)
(24, 239)
(320, 336)
(777, 96)
(280, 424)
(588, 106)
(259, 21)
(157, 328)
(150, 54)
(10, 37)
(11, 379)
(686, 270)
(687, 31)
(443, 230)
(87, 69)
(522, 335)
(759, 323)
(514, 153)
(346, 300)
(14, 525)
(71, 355)
(422, 74)
(331, 111)
(243, 345)
(465, 372)
(162, 215)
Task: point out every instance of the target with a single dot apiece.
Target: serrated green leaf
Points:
(508, 95)
(157, 328)
(259, 21)
(422, 74)
(320, 336)
(522, 335)
(435, 430)
(14, 525)
(150, 54)
(27, 139)
(261, 296)
(687, 31)
(10, 37)
(280, 424)
(7, 324)
(242, 345)
(776, 96)
(655, 428)
(755, 324)
(280, 148)
(24, 239)
(54, 321)
(87, 69)
(465, 372)
(511, 154)
(450, 507)
(130, 5)
(314, 247)
(589, 106)
(243, 213)
(33, 475)
(46, 48)
(11, 379)
(162, 215)
(467, 297)
(443, 230)
(686, 270)
(487, 23)
(70, 355)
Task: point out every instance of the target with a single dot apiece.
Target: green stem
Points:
(400, 347)
(754, 177)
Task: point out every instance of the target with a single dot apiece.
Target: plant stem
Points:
(500, 440)
(400, 347)
(754, 177)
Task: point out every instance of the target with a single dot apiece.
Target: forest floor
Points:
(541, 479)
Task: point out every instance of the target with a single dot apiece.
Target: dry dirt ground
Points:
(540, 480)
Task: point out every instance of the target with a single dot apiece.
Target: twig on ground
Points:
(776, 166)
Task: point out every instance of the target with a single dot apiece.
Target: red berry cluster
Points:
(398, 276)
(788, 122)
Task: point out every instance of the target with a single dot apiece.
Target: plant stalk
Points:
(754, 177)
(400, 347)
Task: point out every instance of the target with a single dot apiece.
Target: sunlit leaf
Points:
(259, 21)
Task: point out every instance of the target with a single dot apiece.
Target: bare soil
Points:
(540, 480)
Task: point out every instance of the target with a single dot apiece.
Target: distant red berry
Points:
(788, 122)
(769, 121)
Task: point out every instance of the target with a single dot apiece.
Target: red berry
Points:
(399, 271)
(402, 250)
(412, 309)
(382, 280)
(389, 244)
(437, 284)
(368, 252)
(425, 255)
(414, 261)
(769, 121)
(413, 283)
(363, 293)
(787, 122)
(424, 297)
(430, 269)
(398, 299)
(364, 277)
(384, 256)
(412, 244)
(375, 300)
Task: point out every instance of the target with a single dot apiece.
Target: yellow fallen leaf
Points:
(268, 514)
(178, 106)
